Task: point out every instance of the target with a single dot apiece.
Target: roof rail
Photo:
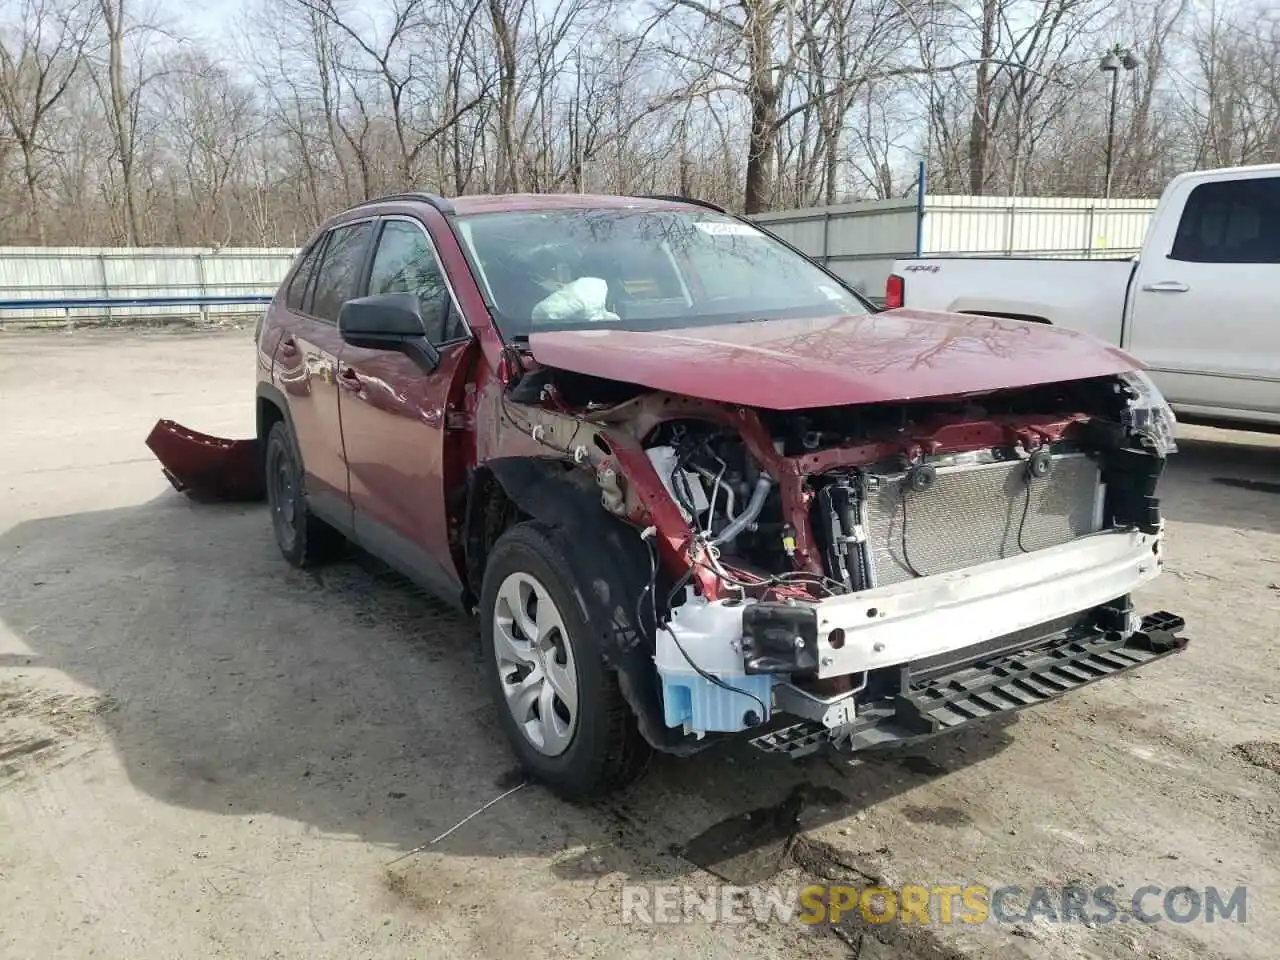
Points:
(435, 200)
(677, 199)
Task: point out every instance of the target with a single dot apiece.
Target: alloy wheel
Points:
(535, 663)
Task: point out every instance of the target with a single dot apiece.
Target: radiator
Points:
(977, 513)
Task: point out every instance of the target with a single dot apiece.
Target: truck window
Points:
(340, 269)
(405, 262)
(1233, 221)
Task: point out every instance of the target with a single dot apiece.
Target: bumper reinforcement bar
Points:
(983, 690)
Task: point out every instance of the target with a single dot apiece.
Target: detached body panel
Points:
(205, 467)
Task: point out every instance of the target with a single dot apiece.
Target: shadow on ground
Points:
(1232, 480)
(346, 700)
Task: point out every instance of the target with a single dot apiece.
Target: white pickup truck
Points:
(1200, 306)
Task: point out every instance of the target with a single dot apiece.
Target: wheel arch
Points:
(507, 490)
(270, 407)
(606, 557)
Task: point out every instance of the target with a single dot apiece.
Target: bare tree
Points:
(212, 122)
(37, 65)
(113, 129)
(121, 113)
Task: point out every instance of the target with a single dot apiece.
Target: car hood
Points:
(796, 364)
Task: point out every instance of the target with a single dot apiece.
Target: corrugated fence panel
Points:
(858, 241)
(39, 273)
(244, 272)
(805, 232)
(52, 274)
(1036, 226)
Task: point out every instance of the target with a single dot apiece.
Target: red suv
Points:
(695, 486)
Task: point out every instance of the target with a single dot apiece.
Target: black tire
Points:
(303, 538)
(606, 750)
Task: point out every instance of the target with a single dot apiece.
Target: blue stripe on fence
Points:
(131, 302)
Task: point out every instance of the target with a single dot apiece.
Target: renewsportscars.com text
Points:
(944, 903)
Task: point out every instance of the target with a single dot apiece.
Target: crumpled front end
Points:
(874, 573)
(208, 468)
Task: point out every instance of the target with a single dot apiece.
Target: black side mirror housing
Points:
(388, 321)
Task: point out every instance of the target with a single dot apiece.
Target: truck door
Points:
(1204, 298)
(305, 369)
(404, 451)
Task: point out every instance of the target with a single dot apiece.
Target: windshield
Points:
(641, 270)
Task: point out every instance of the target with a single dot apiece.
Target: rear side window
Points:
(406, 263)
(297, 291)
(1235, 221)
(340, 269)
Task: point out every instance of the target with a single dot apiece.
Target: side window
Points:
(1234, 221)
(297, 292)
(454, 326)
(406, 263)
(340, 270)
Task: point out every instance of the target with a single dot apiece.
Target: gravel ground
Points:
(206, 753)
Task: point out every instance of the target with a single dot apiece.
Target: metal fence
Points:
(1035, 226)
(860, 241)
(71, 284)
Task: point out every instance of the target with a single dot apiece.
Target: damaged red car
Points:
(692, 484)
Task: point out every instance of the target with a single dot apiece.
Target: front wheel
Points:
(558, 702)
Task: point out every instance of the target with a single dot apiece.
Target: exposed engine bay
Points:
(830, 563)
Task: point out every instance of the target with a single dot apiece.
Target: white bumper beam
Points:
(942, 614)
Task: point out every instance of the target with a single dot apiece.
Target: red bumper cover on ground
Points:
(207, 468)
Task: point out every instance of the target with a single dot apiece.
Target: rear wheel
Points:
(558, 702)
(303, 538)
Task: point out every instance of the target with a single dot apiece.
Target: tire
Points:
(599, 748)
(303, 538)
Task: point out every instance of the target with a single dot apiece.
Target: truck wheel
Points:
(303, 538)
(558, 702)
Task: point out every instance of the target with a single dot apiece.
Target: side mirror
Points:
(388, 321)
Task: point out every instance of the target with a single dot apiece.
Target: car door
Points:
(1204, 298)
(401, 423)
(306, 366)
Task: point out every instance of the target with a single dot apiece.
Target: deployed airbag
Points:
(582, 299)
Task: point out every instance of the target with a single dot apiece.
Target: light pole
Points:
(1115, 60)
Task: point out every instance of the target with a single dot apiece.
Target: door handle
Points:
(1166, 286)
(349, 379)
(433, 417)
(288, 347)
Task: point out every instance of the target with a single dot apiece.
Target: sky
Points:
(210, 18)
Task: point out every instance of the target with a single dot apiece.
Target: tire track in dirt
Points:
(41, 730)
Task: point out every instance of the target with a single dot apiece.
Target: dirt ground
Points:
(206, 753)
